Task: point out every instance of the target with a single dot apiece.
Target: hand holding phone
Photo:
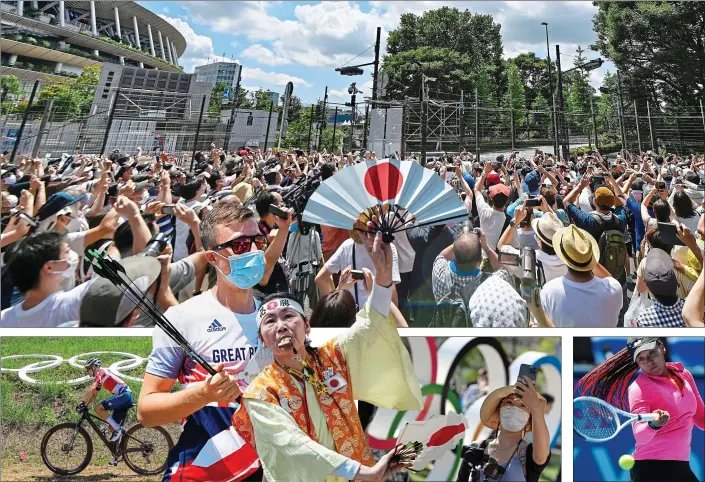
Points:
(168, 209)
(357, 274)
(527, 371)
(278, 212)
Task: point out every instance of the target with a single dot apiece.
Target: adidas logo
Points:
(215, 326)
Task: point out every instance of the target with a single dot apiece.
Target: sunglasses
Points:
(243, 244)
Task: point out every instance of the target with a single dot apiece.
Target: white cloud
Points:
(258, 75)
(263, 55)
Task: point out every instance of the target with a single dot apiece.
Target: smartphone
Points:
(357, 274)
(639, 174)
(168, 209)
(669, 234)
(533, 202)
(527, 371)
(660, 185)
(598, 180)
(509, 259)
(278, 212)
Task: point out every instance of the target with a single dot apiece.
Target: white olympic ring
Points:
(131, 363)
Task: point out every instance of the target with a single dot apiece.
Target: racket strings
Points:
(593, 420)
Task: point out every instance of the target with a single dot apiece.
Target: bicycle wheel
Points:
(66, 449)
(145, 449)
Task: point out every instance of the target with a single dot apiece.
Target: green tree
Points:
(534, 75)
(658, 47)
(515, 97)
(449, 44)
(72, 99)
(261, 100)
(9, 85)
(215, 105)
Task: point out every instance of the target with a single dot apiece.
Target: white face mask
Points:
(74, 226)
(73, 264)
(513, 419)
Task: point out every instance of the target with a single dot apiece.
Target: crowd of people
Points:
(545, 238)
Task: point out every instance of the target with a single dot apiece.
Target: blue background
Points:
(599, 461)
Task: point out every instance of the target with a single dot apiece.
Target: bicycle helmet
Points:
(92, 362)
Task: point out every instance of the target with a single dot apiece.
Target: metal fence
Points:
(48, 118)
(481, 127)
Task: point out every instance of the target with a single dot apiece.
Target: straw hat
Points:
(489, 411)
(576, 248)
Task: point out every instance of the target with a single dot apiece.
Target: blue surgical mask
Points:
(246, 270)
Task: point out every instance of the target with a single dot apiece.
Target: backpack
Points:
(613, 250)
(453, 310)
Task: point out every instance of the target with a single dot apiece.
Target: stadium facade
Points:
(60, 38)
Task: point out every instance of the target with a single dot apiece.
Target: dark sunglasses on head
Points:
(243, 244)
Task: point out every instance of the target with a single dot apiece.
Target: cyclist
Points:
(119, 403)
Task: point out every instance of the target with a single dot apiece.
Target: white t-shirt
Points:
(182, 230)
(342, 258)
(57, 308)
(215, 332)
(584, 200)
(491, 221)
(595, 304)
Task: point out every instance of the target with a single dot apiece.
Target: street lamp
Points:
(550, 86)
(353, 91)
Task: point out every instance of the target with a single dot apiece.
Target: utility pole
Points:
(424, 119)
(651, 126)
(322, 119)
(233, 110)
(269, 123)
(594, 123)
(352, 117)
(636, 121)
(335, 125)
(310, 125)
(623, 131)
(553, 98)
(375, 80)
(562, 129)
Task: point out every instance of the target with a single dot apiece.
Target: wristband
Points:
(653, 426)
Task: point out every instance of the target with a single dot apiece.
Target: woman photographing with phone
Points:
(513, 411)
(664, 389)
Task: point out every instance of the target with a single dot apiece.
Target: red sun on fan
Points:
(383, 181)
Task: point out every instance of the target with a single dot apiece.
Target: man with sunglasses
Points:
(220, 324)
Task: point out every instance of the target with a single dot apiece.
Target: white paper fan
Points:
(403, 189)
(438, 434)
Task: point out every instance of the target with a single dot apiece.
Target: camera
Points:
(476, 462)
(155, 245)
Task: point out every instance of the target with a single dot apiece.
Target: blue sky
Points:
(303, 42)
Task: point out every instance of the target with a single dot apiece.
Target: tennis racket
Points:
(598, 421)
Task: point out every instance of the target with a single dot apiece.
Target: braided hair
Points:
(610, 380)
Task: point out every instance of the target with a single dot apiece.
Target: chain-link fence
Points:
(53, 118)
(481, 127)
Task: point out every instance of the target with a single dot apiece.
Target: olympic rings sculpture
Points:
(53, 361)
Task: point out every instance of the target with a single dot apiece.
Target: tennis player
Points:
(663, 388)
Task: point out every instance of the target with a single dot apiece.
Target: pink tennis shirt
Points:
(672, 441)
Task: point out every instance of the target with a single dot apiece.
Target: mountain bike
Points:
(67, 448)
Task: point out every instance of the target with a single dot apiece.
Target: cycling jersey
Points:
(208, 449)
(110, 382)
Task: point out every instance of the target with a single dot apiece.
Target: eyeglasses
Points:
(243, 244)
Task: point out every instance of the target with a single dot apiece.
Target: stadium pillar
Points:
(117, 24)
(161, 45)
(62, 14)
(137, 32)
(151, 40)
(20, 8)
(94, 25)
(168, 51)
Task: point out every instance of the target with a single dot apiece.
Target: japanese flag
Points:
(438, 434)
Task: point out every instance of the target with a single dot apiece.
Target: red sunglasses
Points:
(243, 244)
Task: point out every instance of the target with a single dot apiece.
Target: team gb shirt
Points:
(208, 448)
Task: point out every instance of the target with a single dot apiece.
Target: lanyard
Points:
(308, 375)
